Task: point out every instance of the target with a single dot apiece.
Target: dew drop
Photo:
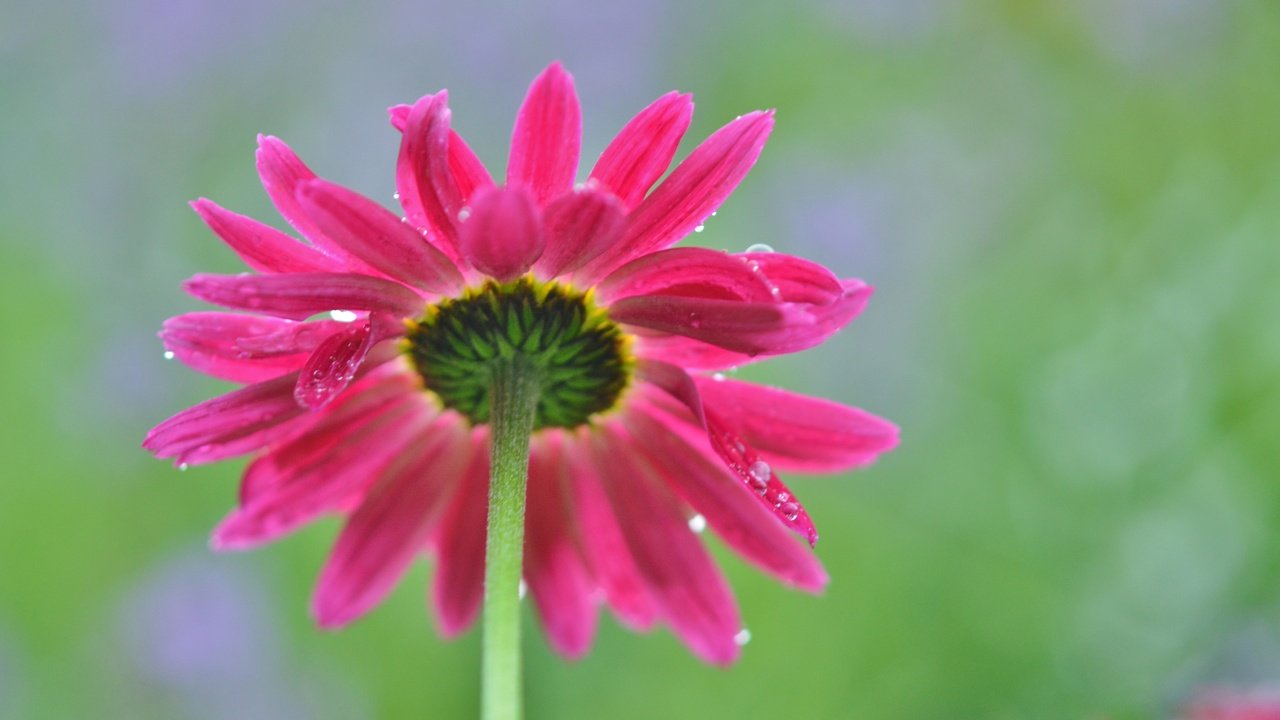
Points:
(760, 470)
(759, 248)
(168, 354)
(464, 213)
(789, 509)
(182, 467)
(700, 228)
(524, 588)
(742, 637)
(396, 196)
(718, 377)
(697, 523)
(345, 316)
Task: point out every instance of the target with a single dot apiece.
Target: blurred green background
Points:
(1071, 211)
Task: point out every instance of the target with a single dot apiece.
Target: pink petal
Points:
(752, 328)
(368, 231)
(468, 171)
(428, 190)
(229, 425)
(209, 342)
(325, 470)
(503, 236)
(732, 510)
(691, 193)
(643, 150)
(288, 337)
(547, 137)
(796, 279)
(377, 397)
(687, 352)
(756, 474)
(686, 585)
(333, 365)
(298, 296)
(688, 272)
(603, 542)
(797, 432)
(553, 566)
(261, 246)
(391, 525)
(458, 587)
(579, 225)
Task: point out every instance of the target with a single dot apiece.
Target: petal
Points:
(298, 296)
(756, 474)
(209, 342)
(553, 566)
(468, 171)
(391, 525)
(233, 424)
(368, 231)
(688, 353)
(580, 225)
(547, 137)
(333, 365)
(428, 191)
(691, 193)
(688, 272)
(324, 470)
(503, 236)
(643, 150)
(686, 585)
(752, 328)
(732, 510)
(796, 279)
(261, 246)
(458, 587)
(289, 337)
(797, 432)
(604, 544)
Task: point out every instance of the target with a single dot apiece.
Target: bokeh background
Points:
(1071, 211)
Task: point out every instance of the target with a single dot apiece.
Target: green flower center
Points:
(580, 357)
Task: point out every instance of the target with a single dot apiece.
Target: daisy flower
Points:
(386, 356)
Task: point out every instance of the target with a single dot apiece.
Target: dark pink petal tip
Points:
(643, 150)
(502, 237)
(261, 246)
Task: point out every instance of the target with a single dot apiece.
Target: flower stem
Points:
(513, 399)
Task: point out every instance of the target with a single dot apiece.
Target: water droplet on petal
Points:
(524, 588)
(742, 637)
(168, 354)
(396, 196)
(759, 248)
(464, 213)
(718, 377)
(697, 523)
(700, 228)
(345, 316)
(182, 467)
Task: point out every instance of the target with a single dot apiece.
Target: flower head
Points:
(377, 410)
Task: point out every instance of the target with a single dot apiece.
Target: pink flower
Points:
(382, 419)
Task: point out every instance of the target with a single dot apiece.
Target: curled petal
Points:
(579, 225)
(503, 236)
(368, 231)
(553, 566)
(730, 508)
(298, 296)
(685, 584)
(643, 150)
(391, 525)
(333, 365)
(458, 586)
(547, 137)
(468, 171)
(261, 246)
(209, 342)
(689, 272)
(797, 432)
(428, 190)
(756, 474)
(691, 193)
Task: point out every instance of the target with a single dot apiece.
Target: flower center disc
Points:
(579, 355)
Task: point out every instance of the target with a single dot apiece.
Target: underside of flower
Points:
(580, 356)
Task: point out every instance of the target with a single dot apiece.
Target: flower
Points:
(378, 412)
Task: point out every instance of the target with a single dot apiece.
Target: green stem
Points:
(513, 398)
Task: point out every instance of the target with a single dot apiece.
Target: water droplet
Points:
(697, 523)
(345, 316)
(759, 248)
(396, 196)
(718, 377)
(182, 467)
(524, 588)
(742, 637)
(760, 470)
(464, 213)
(700, 228)
(789, 509)
(168, 354)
